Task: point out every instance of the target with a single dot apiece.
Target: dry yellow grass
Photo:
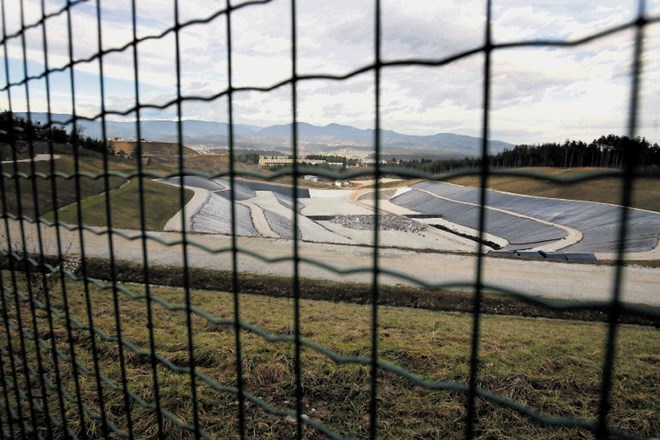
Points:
(151, 148)
(646, 194)
(551, 366)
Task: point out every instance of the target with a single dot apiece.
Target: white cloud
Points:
(428, 100)
(431, 29)
(556, 94)
(653, 7)
(547, 19)
(538, 94)
(348, 102)
(649, 117)
(334, 37)
(258, 108)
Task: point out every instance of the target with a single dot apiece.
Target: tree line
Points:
(14, 129)
(607, 151)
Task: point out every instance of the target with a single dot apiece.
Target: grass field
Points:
(161, 202)
(646, 194)
(551, 366)
(66, 193)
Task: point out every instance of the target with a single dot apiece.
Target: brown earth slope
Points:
(151, 148)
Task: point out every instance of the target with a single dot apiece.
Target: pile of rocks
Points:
(71, 264)
(386, 223)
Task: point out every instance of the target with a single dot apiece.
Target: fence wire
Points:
(28, 394)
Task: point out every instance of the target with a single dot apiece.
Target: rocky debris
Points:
(72, 264)
(386, 223)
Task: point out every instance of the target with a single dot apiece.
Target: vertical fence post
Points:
(483, 192)
(630, 163)
(375, 288)
(234, 242)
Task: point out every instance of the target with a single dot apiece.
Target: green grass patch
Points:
(161, 202)
(551, 366)
(89, 162)
(65, 187)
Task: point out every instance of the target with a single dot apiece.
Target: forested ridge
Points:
(607, 151)
(14, 129)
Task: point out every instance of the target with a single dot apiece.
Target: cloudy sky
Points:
(538, 94)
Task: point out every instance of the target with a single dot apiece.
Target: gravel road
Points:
(548, 279)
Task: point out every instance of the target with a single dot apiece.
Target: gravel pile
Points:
(386, 223)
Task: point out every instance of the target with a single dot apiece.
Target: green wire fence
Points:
(34, 368)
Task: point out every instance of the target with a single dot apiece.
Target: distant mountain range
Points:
(312, 138)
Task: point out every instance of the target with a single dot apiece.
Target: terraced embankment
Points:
(599, 223)
(559, 229)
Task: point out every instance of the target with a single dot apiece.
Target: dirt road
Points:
(548, 279)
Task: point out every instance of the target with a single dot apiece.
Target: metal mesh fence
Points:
(36, 298)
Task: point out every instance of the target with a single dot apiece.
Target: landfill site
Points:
(427, 236)
(429, 231)
(426, 216)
